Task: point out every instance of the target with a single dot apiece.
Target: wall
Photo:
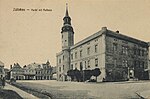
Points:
(123, 56)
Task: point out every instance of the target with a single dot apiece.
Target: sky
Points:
(35, 36)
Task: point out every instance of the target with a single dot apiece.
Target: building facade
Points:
(7, 73)
(33, 71)
(2, 72)
(44, 72)
(30, 71)
(16, 72)
(112, 52)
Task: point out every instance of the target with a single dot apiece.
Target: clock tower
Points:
(67, 31)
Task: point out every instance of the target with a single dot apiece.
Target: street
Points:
(84, 90)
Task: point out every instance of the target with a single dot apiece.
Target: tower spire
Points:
(67, 22)
(67, 14)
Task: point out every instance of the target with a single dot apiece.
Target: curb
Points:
(139, 95)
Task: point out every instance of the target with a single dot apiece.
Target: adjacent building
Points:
(16, 72)
(7, 73)
(117, 56)
(30, 71)
(2, 72)
(44, 72)
(33, 71)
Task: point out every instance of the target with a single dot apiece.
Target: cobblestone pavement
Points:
(108, 90)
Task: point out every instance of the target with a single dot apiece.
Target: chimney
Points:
(24, 66)
(10, 66)
(104, 29)
(117, 31)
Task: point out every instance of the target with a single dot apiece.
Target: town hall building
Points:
(110, 51)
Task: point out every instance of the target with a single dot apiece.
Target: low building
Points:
(44, 72)
(16, 72)
(29, 71)
(2, 72)
(7, 73)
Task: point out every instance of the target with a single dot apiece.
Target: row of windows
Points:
(29, 70)
(17, 72)
(41, 72)
(139, 52)
(81, 52)
(139, 64)
(87, 64)
(125, 49)
(125, 63)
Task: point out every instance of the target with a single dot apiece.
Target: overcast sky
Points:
(34, 36)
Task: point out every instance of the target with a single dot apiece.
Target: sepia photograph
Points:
(74, 49)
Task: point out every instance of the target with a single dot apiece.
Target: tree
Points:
(96, 72)
(70, 73)
(74, 74)
(87, 74)
(77, 74)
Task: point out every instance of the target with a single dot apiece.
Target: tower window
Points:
(63, 67)
(65, 40)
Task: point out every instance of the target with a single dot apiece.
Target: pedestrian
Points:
(3, 82)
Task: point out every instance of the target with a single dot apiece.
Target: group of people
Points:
(2, 82)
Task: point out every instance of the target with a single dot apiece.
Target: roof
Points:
(33, 66)
(16, 67)
(104, 30)
(127, 38)
(93, 36)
